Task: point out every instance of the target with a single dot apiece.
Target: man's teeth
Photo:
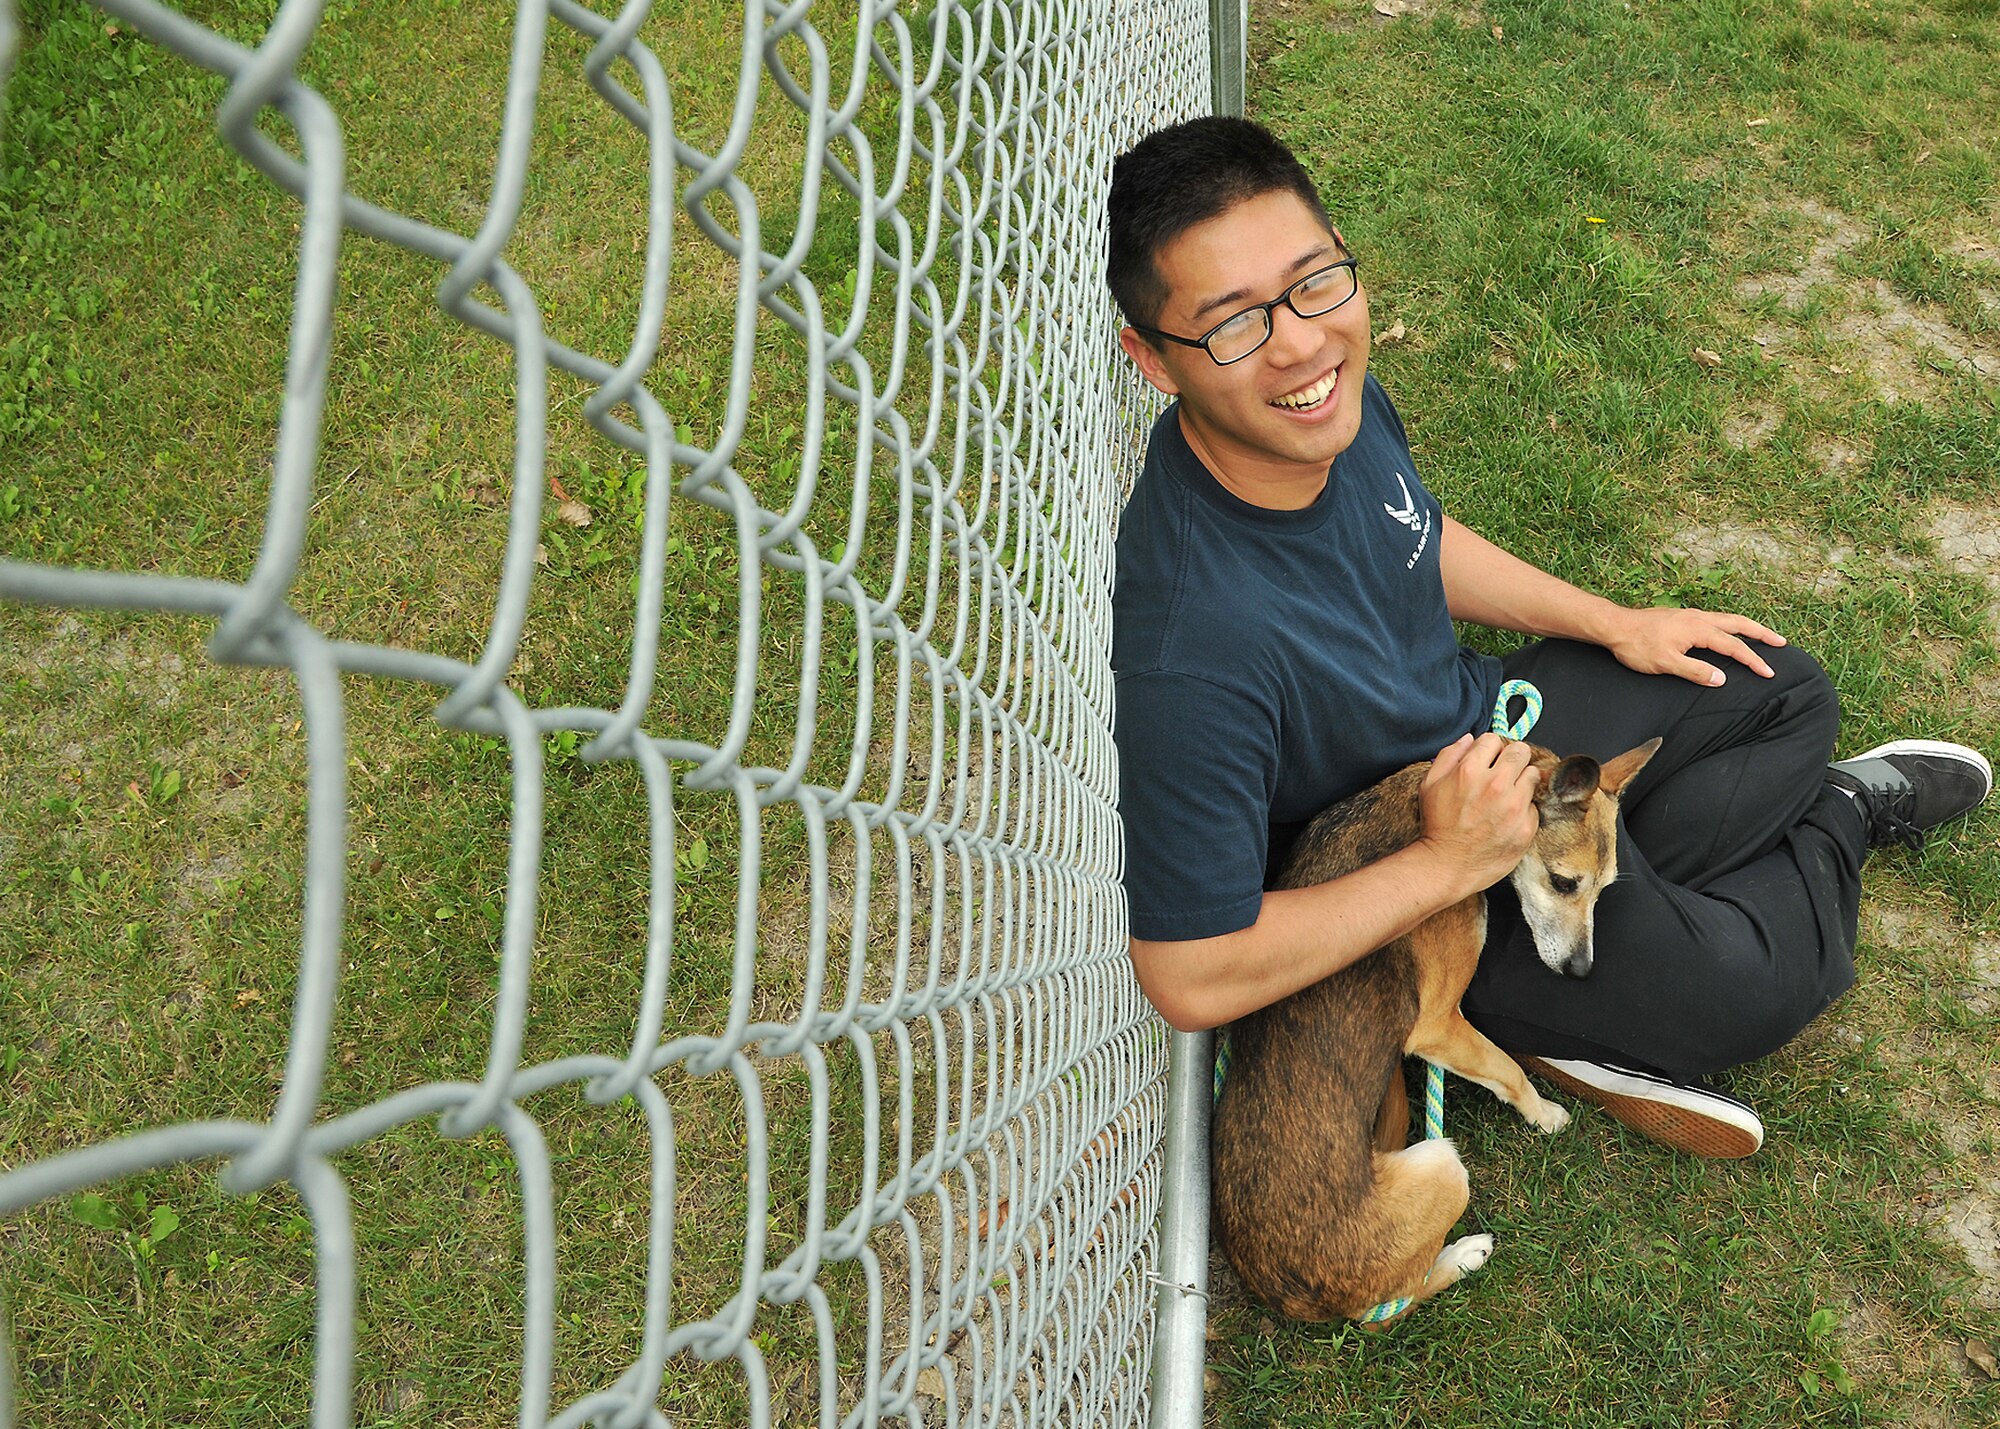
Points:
(1308, 397)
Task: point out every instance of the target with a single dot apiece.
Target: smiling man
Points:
(1282, 638)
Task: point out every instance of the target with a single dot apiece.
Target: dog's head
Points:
(1575, 853)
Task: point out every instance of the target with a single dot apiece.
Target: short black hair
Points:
(1178, 177)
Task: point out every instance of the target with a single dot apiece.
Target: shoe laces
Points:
(1886, 824)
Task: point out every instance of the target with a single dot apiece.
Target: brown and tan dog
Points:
(1321, 1209)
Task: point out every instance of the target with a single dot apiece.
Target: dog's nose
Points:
(1579, 963)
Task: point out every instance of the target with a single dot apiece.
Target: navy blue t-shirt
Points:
(1271, 662)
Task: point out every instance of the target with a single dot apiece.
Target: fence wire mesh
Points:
(909, 1010)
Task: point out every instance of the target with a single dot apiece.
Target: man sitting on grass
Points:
(1283, 638)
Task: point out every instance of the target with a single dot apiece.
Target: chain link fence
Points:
(942, 803)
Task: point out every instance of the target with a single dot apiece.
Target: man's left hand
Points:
(1659, 640)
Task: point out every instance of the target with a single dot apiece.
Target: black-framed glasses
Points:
(1240, 334)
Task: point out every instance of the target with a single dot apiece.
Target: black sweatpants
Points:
(1732, 922)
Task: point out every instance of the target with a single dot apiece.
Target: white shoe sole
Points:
(1686, 1119)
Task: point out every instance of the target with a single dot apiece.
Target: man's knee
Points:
(1806, 690)
(1734, 1029)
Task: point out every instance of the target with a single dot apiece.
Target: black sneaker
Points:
(1683, 1115)
(1908, 786)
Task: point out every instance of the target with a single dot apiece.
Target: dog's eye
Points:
(1563, 884)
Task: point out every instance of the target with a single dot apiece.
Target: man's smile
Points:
(1308, 398)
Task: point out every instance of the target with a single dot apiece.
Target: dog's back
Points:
(1308, 1076)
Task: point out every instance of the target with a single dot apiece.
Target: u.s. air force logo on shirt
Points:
(1408, 515)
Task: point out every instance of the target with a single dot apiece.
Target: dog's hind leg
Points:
(1462, 1049)
(1421, 1192)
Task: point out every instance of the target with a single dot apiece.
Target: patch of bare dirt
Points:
(1817, 269)
(1965, 1212)
(1867, 1335)
(144, 667)
(1982, 980)
(1902, 347)
(1787, 554)
(1723, 544)
(1972, 1221)
(1919, 342)
(1748, 430)
(1836, 457)
(1968, 542)
(1895, 926)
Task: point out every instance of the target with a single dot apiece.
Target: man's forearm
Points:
(1488, 586)
(1301, 935)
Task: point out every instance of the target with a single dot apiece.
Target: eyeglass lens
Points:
(1312, 296)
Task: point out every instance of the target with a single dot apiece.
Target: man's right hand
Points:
(1478, 808)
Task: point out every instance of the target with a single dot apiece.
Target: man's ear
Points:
(1148, 357)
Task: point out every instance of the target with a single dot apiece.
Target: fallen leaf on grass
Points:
(484, 490)
(248, 996)
(1756, 123)
(930, 1380)
(1981, 1354)
(1706, 358)
(993, 1218)
(541, 554)
(1394, 335)
(1390, 9)
(1499, 33)
(573, 512)
(556, 488)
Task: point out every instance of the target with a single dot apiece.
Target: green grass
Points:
(150, 801)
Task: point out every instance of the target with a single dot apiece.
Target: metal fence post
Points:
(1228, 31)
(1180, 1333)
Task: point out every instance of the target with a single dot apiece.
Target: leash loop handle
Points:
(1531, 709)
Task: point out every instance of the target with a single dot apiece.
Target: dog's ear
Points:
(1618, 773)
(1566, 789)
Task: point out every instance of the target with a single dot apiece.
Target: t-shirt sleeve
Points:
(1196, 767)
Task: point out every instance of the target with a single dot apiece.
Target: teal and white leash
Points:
(1531, 711)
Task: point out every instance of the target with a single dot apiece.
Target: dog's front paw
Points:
(1549, 1117)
